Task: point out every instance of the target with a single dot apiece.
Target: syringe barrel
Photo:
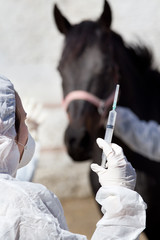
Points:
(109, 133)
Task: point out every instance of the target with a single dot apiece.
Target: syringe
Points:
(110, 125)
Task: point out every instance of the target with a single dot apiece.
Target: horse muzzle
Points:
(78, 143)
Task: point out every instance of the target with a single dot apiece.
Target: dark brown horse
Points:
(93, 61)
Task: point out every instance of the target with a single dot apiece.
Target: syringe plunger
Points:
(109, 133)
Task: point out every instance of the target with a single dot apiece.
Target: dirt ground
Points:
(82, 215)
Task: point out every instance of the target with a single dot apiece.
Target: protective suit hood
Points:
(9, 153)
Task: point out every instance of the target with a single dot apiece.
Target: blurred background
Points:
(30, 47)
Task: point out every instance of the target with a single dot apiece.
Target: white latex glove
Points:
(119, 171)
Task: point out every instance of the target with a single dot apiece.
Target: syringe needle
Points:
(115, 97)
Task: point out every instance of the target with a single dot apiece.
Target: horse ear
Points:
(106, 16)
(62, 23)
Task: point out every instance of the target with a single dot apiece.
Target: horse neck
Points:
(131, 84)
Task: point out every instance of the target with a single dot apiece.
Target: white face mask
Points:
(9, 155)
(28, 152)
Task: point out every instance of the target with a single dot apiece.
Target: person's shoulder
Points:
(33, 187)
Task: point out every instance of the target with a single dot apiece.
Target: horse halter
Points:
(102, 105)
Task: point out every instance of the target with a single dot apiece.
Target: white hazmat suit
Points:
(141, 136)
(30, 211)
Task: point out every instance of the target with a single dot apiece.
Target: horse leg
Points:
(95, 185)
(94, 182)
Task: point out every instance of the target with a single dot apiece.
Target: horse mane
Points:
(137, 72)
(141, 56)
(142, 59)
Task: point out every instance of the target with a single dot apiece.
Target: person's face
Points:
(20, 125)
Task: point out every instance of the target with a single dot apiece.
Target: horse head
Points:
(89, 75)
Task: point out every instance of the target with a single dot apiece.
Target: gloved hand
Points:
(119, 171)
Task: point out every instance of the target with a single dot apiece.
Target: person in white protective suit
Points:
(30, 211)
(141, 136)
